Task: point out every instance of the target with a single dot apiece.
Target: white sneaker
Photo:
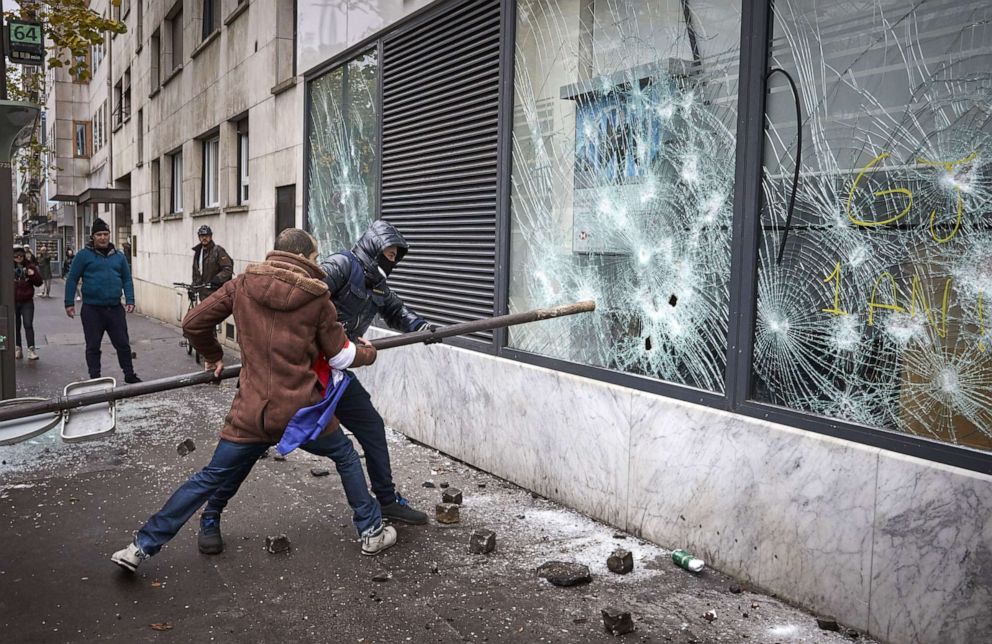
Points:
(18, 354)
(375, 541)
(129, 557)
(32, 354)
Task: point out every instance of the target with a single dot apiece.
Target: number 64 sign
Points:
(24, 42)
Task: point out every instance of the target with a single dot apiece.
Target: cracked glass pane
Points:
(624, 143)
(877, 312)
(343, 172)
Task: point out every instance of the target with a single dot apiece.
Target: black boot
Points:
(210, 542)
(400, 510)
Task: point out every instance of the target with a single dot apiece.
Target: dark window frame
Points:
(87, 150)
(756, 30)
(210, 18)
(177, 55)
(243, 135)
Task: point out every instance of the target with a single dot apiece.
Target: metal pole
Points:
(8, 383)
(62, 403)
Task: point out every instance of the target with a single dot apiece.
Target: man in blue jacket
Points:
(105, 274)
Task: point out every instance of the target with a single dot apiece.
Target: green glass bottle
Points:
(685, 559)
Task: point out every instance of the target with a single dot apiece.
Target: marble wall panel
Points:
(898, 546)
(931, 576)
(553, 433)
(782, 509)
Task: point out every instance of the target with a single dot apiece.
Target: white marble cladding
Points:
(890, 544)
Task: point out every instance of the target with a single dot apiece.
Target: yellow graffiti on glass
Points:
(872, 304)
(880, 193)
(949, 167)
(917, 295)
(836, 310)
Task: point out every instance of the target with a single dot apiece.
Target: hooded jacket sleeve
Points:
(398, 316)
(199, 323)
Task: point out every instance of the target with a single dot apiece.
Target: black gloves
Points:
(427, 326)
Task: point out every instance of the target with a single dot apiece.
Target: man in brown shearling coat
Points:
(284, 317)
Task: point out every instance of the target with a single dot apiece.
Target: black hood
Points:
(370, 245)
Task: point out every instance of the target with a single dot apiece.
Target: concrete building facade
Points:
(200, 123)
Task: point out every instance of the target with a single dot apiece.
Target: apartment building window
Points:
(82, 68)
(211, 17)
(175, 23)
(139, 28)
(126, 97)
(176, 164)
(96, 55)
(140, 139)
(122, 98)
(156, 176)
(211, 148)
(98, 127)
(243, 162)
(155, 60)
(82, 138)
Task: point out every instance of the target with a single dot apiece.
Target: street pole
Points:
(8, 383)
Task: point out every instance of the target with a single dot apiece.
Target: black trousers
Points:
(112, 320)
(24, 314)
(356, 412)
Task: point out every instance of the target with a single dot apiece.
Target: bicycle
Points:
(193, 294)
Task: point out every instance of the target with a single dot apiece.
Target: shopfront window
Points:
(878, 312)
(624, 138)
(343, 175)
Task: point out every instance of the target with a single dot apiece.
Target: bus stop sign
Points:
(24, 42)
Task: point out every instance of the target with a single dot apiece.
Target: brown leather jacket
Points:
(283, 316)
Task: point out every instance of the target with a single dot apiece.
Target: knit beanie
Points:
(99, 226)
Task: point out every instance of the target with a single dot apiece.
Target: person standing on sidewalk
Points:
(26, 278)
(284, 319)
(67, 263)
(105, 274)
(212, 266)
(45, 266)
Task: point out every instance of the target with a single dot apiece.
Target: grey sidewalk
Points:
(64, 508)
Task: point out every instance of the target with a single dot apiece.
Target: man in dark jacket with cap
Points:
(105, 274)
(212, 266)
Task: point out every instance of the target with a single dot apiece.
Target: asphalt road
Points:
(64, 508)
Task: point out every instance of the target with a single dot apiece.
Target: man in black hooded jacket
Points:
(356, 281)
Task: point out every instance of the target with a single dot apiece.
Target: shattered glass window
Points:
(343, 172)
(878, 311)
(622, 182)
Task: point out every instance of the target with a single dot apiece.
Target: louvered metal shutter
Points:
(440, 108)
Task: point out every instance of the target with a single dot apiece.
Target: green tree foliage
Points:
(71, 30)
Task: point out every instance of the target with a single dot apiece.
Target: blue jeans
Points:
(355, 411)
(232, 462)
